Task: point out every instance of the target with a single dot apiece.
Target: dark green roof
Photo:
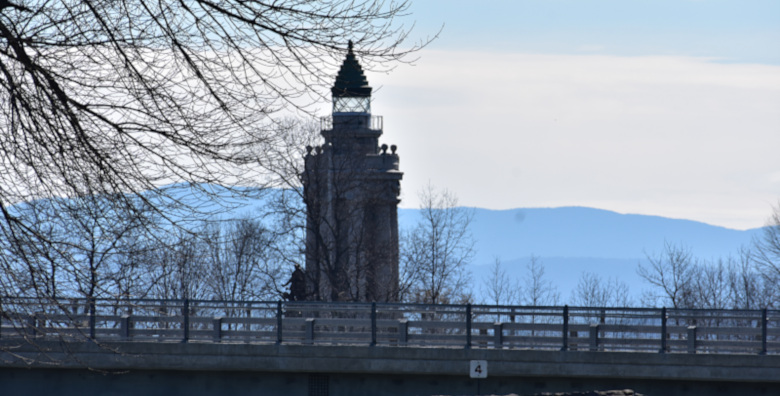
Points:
(351, 81)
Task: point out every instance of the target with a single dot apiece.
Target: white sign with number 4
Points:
(478, 369)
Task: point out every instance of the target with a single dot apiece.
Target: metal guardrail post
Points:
(279, 322)
(186, 322)
(216, 326)
(691, 339)
(663, 331)
(565, 346)
(32, 325)
(124, 327)
(498, 333)
(373, 324)
(403, 331)
(309, 338)
(594, 337)
(468, 326)
(764, 324)
(92, 319)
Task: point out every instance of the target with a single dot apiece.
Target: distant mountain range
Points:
(572, 240)
(567, 240)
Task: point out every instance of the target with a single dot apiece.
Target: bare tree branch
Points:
(436, 252)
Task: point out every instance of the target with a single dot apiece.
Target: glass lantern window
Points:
(351, 104)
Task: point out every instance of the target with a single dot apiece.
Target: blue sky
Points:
(739, 31)
(667, 108)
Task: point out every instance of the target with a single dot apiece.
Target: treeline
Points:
(94, 247)
(106, 255)
(676, 278)
(90, 247)
(681, 280)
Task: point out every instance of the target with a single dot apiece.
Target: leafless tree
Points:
(766, 250)
(130, 273)
(710, 284)
(435, 253)
(30, 269)
(672, 272)
(99, 239)
(94, 244)
(537, 289)
(593, 291)
(180, 267)
(747, 288)
(499, 287)
(285, 207)
(240, 262)
(683, 281)
(116, 99)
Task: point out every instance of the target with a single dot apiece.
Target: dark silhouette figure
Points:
(297, 284)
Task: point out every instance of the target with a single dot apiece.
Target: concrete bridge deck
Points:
(204, 368)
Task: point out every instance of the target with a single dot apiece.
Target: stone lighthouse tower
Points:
(351, 188)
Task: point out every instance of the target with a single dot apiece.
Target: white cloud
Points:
(673, 136)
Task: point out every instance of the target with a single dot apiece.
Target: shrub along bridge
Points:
(350, 342)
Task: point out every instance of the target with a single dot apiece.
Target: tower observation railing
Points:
(375, 123)
(662, 330)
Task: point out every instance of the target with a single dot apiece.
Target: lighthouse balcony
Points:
(352, 121)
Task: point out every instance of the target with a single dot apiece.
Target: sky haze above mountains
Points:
(668, 108)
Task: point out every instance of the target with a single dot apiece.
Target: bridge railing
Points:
(663, 330)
